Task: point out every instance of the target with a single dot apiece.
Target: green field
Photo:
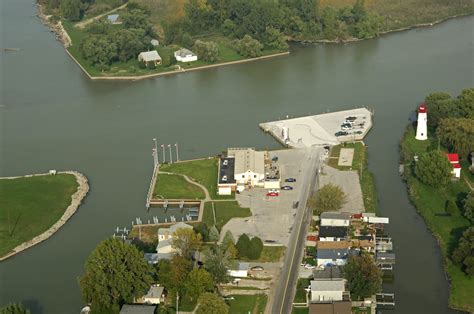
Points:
(359, 163)
(203, 171)
(30, 206)
(244, 304)
(300, 296)
(300, 310)
(430, 202)
(225, 210)
(270, 254)
(176, 187)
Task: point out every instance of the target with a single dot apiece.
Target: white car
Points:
(308, 266)
(274, 191)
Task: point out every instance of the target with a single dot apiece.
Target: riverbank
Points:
(76, 200)
(430, 203)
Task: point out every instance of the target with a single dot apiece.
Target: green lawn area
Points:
(30, 206)
(225, 210)
(203, 171)
(175, 186)
(270, 254)
(300, 296)
(300, 310)
(367, 181)
(244, 304)
(430, 202)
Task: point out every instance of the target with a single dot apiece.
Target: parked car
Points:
(257, 268)
(287, 188)
(273, 191)
(290, 180)
(341, 133)
(308, 266)
(351, 118)
(224, 178)
(275, 159)
(272, 194)
(225, 162)
(358, 132)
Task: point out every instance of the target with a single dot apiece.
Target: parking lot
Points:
(273, 216)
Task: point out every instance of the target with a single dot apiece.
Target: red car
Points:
(272, 194)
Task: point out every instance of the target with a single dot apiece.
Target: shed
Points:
(150, 56)
(154, 295)
(241, 270)
(336, 219)
(137, 309)
(185, 55)
(113, 19)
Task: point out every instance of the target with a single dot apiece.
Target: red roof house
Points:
(453, 158)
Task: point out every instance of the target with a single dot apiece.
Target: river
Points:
(53, 117)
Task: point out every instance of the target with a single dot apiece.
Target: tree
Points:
(203, 230)
(197, 282)
(469, 207)
(255, 249)
(185, 241)
(207, 50)
(217, 264)
(249, 47)
(364, 277)
(440, 105)
(71, 9)
(451, 207)
(115, 273)
(463, 255)
(172, 273)
(231, 251)
(213, 234)
(137, 19)
(328, 198)
(210, 303)
(128, 44)
(457, 134)
(243, 244)
(433, 168)
(274, 39)
(14, 308)
(228, 239)
(99, 50)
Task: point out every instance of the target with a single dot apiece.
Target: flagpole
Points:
(171, 157)
(163, 147)
(177, 156)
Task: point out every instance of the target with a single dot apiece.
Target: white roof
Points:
(154, 292)
(247, 159)
(174, 227)
(335, 215)
(327, 285)
(149, 56)
(183, 52)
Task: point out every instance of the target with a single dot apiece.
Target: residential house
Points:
(167, 233)
(454, 160)
(335, 219)
(311, 239)
(164, 249)
(249, 168)
(327, 233)
(327, 273)
(150, 56)
(137, 309)
(154, 295)
(241, 271)
(327, 290)
(341, 307)
(113, 19)
(329, 257)
(185, 55)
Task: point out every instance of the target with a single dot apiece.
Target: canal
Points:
(52, 117)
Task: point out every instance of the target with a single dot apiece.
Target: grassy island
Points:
(31, 205)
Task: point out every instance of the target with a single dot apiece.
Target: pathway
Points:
(84, 23)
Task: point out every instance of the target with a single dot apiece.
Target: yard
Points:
(300, 296)
(30, 206)
(300, 310)
(224, 210)
(244, 304)
(430, 203)
(359, 163)
(270, 254)
(176, 187)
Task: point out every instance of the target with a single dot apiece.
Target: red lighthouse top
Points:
(422, 108)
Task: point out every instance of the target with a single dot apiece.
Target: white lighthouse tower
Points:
(422, 128)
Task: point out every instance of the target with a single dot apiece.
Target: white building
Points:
(150, 56)
(185, 55)
(241, 271)
(422, 128)
(327, 290)
(454, 160)
(335, 219)
(164, 249)
(249, 168)
(167, 233)
(154, 295)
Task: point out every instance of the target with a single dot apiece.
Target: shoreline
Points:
(76, 200)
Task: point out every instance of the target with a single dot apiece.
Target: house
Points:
(335, 219)
(327, 273)
(113, 19)
(327, 233)
(241, 271)
(167, 233)
(164, 249)
(226, 182)
(149, 56)
(155, 42)
(340, 307)
(137, 309)
(327, 290)
(311, 239)
(154, 295)
(249, 168)
(329, 257)
(454, 160)
(185, 55)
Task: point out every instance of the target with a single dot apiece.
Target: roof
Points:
(332, 253)
(422, 108)
(330, 231)
(335, 215)
(330, 272)
(137, 309)
(112, 17)
(341, 307)
(333, 245)
(163, 243)
(454, 158)
(248, 159)
(457, 166)
(328, 285)
(227, 170)
(242, 266)
(183, 52)
(155, 291)
(149, 56)
(174, 227)
(381, 256)
(155, 42)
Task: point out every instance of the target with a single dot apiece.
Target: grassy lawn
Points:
(270, 254)
(244, 304)
(367, 181)
(203, 171)
(148, 234)
(30, 206)
(430, 202)
(224, 212)
(300, 296)
(175, 186)
(300, 310)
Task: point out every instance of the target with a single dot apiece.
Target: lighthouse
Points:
(422, 128)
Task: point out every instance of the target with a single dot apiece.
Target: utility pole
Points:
(163, 148)
(177, 297)
(177, 156)
(171, 157)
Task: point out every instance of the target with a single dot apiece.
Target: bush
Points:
(451, 207)
(255, 249)
(328, 198)
(433, 168)
(243, 244)
(463, 255)
(249, 47)
(207, 50)
(203, 230)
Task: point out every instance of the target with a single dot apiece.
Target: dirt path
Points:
(84, 23)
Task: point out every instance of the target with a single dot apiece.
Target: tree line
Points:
(75, 10)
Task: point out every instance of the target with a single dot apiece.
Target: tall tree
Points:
(71, 9)
(217, 264)
(433, 168)
(364, 277)
(255, 249)
(207, 50)
(210, 303)
(213, 234)
(128, 44)
(243, 244)
(115, 273)
(198, 282)
(463, 255)
(330, 197)
(469, 207)
(457, 135)
(186, 241)
(99, 50)
(249, 47)
(173, 273)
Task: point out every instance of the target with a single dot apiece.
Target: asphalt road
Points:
(286, 288)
